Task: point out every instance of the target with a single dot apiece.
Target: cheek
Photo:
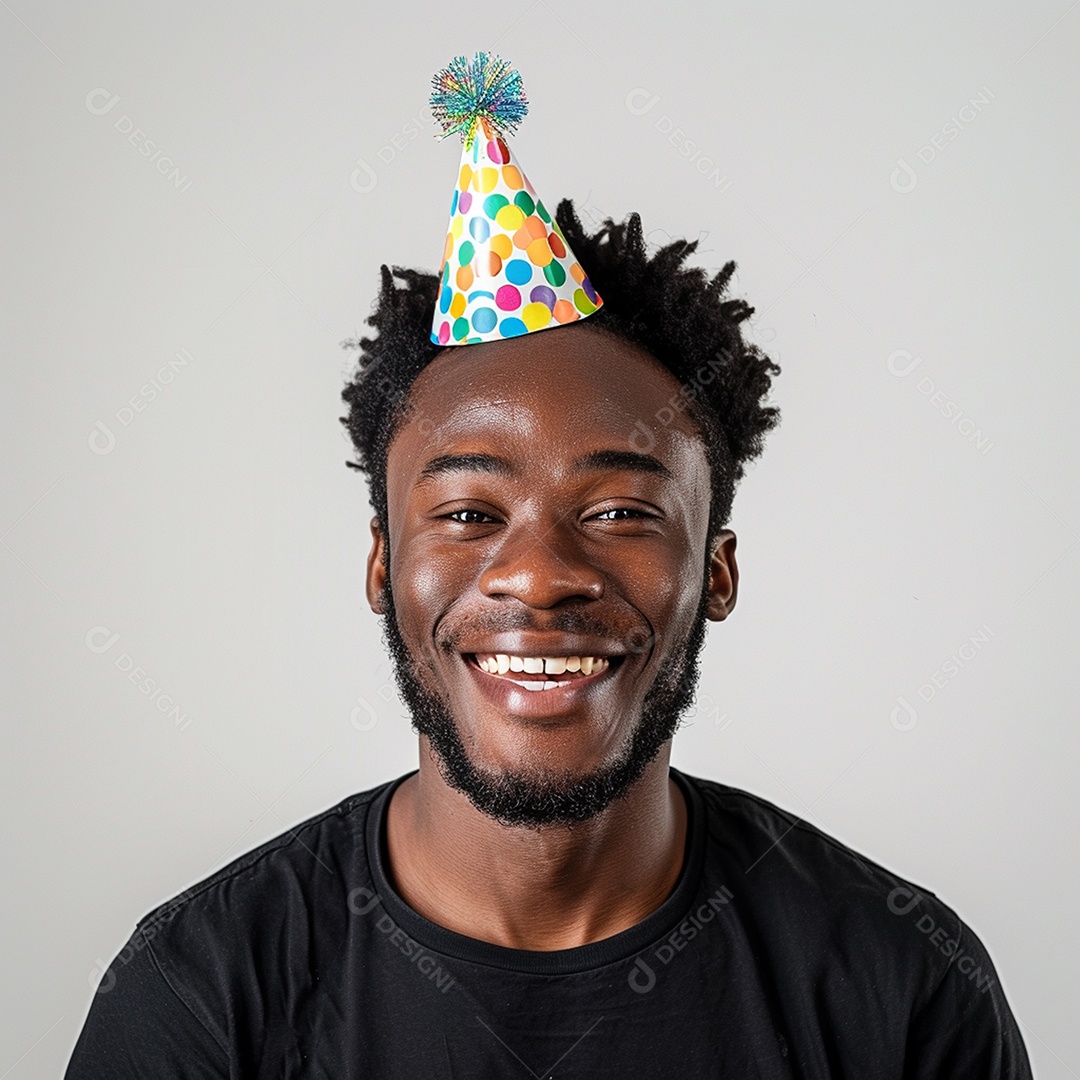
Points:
(665, 586)
(426, 582)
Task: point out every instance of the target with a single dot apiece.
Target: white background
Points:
(223, 539)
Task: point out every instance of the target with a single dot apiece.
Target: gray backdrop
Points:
(196, 199)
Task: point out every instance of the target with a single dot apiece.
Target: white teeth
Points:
(503, 663)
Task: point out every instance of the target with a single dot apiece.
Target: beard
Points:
(529, 798)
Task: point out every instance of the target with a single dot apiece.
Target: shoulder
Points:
(769, 843)
(806, 892)
(281, 908)
(829, 925)
(316, 855)
(178, 994)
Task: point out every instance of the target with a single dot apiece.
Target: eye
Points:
(469, 517)
(621, 513)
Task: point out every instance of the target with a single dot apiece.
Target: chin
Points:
(543, 748)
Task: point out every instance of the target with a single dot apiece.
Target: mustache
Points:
(565, 621)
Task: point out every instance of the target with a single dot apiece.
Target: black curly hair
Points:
(675, 312)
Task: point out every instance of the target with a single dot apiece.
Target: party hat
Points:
(507, 269)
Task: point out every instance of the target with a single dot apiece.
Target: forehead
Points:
(548, 391)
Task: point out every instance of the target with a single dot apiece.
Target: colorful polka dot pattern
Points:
(506, 269)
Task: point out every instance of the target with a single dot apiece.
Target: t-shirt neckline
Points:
(596, 954)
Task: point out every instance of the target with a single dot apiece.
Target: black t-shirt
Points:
(780, 953)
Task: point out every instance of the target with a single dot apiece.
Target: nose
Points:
(541, 569)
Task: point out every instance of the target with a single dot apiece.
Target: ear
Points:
(376, 569)
(723, 577)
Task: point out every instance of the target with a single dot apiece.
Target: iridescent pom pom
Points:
(484, 88)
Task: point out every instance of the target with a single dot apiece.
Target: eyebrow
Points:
(611, 460)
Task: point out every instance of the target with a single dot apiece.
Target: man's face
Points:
(523, 524)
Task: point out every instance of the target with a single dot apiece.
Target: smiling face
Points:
(548, 586)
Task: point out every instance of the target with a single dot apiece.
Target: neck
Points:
(537, 888)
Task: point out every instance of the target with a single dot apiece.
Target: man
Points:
(545, 896)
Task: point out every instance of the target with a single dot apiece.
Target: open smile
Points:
(539, 685)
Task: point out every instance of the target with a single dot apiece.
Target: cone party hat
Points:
(507, 269)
